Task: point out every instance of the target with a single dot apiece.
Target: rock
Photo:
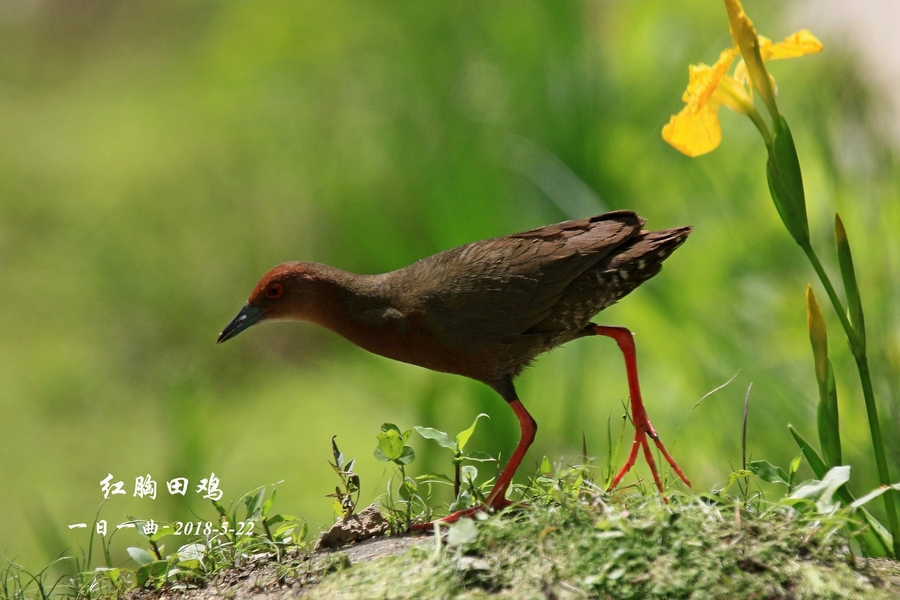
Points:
(367, 524)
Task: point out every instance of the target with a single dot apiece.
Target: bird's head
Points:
(288, 291)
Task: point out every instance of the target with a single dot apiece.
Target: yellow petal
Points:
(744, 35)
(741, 26)
(694, 132)
(817, 334)
(741, 75)
(734, 95)
(798, 44)
(704, 80)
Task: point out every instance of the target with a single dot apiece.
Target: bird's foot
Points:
(492, 506)
(643, 430)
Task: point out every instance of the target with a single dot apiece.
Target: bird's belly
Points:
(422, 348)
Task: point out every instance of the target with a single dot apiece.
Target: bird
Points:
(486, 310)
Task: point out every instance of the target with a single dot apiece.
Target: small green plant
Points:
(344, 501)
(773, 474)
(465, 491)
(16, 582)
(563, 485)
(392, 448)
(210, 547)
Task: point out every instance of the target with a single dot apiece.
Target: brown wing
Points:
(493, 290)
(611, 278)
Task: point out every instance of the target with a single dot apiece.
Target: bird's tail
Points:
(642, 257)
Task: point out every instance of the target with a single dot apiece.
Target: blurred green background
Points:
(157, 158)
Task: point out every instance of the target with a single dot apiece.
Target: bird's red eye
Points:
(274, 291)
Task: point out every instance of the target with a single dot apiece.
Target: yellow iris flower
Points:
(696, 130)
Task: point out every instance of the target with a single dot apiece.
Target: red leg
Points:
(642, 425)
(497, 498)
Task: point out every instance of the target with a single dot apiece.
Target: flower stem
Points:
(884, 476)
(862, 365)
(760, 123)
(832, 295)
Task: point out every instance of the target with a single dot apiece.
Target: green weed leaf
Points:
(390, 442)
(155, 569)
(407, 455)
(809, 453)
(392, 445)
(140, 556)
(462, 533)
(338, 455)
(874, 494)
(267, 505)
(769, 472)
(480, 456)
(545, 468)
(443, 439)
(740, 474)
(795, 466)
(253, 502)
(462, 437)
(192, 552)
(822, 492)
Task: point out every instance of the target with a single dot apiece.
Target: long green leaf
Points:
(443, 439)
(768, 472)
(876, 536)
(786, 182)
(809, 453)
(463, 436)
(851, 288)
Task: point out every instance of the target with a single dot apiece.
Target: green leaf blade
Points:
(851, 287)
(769, 472)
(786, 182)
(809, 453)
(462, 437)
(443, 439)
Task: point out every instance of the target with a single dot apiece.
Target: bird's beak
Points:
(248, 316)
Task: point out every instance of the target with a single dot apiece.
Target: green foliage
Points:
(462, 473)
(786, 182)
(392, 448)
(212, 549)
(774, 474)
(851, 287)
(781, 182)
(209, 550)
(344, 502)
(392, 445)
(625, 545)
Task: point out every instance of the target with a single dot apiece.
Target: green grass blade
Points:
(851, 288)
(809, 453)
